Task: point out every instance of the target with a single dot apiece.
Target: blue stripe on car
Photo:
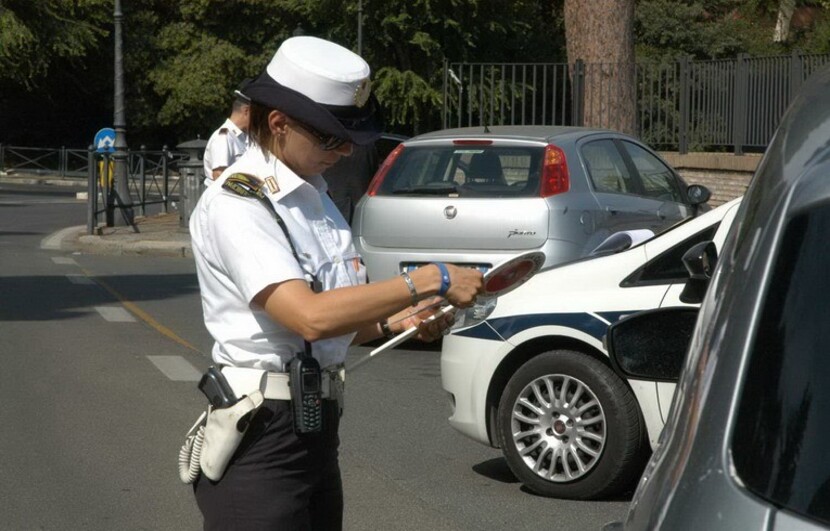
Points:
(613, 317)
(507, 327)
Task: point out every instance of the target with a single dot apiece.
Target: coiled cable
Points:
(191, 452)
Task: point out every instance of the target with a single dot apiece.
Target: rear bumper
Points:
(382, 263)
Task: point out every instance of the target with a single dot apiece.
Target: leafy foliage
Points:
(183, 59)
(713, 29)
(35, 34)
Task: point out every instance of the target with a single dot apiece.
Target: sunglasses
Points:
(327, 142)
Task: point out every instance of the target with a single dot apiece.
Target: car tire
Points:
(588, 449)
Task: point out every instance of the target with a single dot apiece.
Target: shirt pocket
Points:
(318, 265)
(355, 268)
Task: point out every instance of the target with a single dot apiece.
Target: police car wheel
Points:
(569, 427)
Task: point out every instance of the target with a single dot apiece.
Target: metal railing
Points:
(153, 179)
(683, 105)
(154, 176)
(63, 162)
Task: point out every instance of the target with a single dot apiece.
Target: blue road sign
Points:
(105, 140)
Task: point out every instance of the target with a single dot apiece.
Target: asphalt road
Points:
(100, 354)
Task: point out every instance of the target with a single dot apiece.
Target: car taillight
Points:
(377, 180)
(555, 176)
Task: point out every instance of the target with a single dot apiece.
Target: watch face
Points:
(511, 274)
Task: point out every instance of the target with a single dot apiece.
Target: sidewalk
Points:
(159, 235)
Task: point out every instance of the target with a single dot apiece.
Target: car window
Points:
(657, 179)
(606, 167)
(468, 171)
(667, 267)
(783, 423)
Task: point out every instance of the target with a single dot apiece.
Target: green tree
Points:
(208, 46)
(666, 29)
(407, 43)
(37, 34)
(51, 77)
(714, 29)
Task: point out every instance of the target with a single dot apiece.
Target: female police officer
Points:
(271, 291)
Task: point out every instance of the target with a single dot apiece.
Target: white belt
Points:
(274, 385)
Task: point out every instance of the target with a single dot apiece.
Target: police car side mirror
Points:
(620, 241)
(651, 345)
(700, 262)
(698, 194)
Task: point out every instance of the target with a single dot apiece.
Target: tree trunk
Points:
(601, 34)
(785, 15)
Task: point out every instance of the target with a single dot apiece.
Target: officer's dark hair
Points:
(239, 103)
(258, 127)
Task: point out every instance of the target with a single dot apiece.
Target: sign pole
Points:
(122, 187)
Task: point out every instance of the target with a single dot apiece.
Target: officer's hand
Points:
(428, 329)
(465, 284)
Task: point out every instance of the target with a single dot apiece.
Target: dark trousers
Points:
(278, 480)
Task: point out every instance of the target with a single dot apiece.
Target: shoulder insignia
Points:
(223, 131)
(273, 187)
(244, 185)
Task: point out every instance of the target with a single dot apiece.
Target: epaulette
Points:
(244, 185)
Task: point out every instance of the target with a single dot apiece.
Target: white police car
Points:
(534, 379)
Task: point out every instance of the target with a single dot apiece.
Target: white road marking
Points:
(64, 260)
(41, 202)
(80, 279)
(53, 241)
(176, 368)
(115, 314)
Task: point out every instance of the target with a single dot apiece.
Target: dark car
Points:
(746, 444)
(349, 177)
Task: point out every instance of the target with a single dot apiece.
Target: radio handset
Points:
(305, 380)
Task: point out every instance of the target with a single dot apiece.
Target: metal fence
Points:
(154, 176)
(153, 179)
(64, 162)
(683, 105)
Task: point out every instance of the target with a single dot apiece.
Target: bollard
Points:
(191, 173)
(165, 178)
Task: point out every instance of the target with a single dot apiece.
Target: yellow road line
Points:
(141, 314)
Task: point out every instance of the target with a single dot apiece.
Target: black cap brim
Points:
(359, 125)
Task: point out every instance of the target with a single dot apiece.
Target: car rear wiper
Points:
(443, 189)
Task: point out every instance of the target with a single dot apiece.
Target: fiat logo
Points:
(450, 212)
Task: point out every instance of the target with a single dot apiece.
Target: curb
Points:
(75, 239)
(98, 245)
(75, 183)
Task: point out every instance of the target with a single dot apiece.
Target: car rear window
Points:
(465, 171)
(783, 424)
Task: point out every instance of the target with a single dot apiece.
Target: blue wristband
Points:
(445, 279)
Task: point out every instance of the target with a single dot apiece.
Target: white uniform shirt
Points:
(240, 249)
(224, 147)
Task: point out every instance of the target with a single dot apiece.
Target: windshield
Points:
(466, 171)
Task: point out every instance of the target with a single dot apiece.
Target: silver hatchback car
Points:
(477, 196)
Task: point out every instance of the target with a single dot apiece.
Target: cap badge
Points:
(361, 93)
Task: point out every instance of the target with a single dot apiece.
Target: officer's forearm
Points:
(346, 310)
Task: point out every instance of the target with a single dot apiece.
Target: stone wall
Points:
(725, 174)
